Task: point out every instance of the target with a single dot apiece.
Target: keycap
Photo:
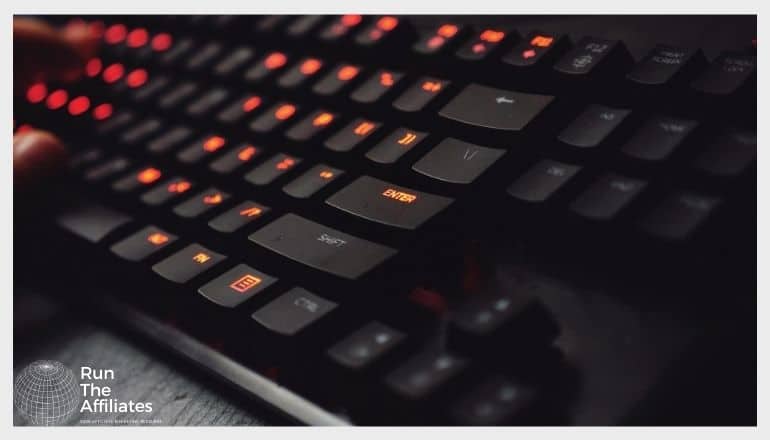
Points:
(170, 189)
(302, 26)
(177, 95)
(272, 168)
(155, 85)
(237, 285)
(420, 94)
(143, 177)
(535, 49)
(661, 65)
(293, 311)
(201, 148)
(91, 221)
(300, 73)
(383, 202)
(203, 56)
(143, 243)
(365, 346)
(728, 154)
(498, 109)
(438, 39)
(106, 169)
(188, 263)
(659, 137)
(679, 215)
(541, 181)
(586, 56)
(269, 23)
(201, 203)
(178, 50)
(207, 102)
(495, 401)
(336, 79)
(237, 217)
(593, 126)
(379, 31)
(380, 83)
(606, 197)
(321, 247)
(168, 139)
(311, 181)
(726, 74)
(482, 44)
(340, 27)
(395, 145)
(425, 373)
(275, 116)
(352, 135)
(455, 161)
(141, 131)
(116, 122)
(235, 158)
(238, 110)
(269, 64)
(234, 61)
(312, 125)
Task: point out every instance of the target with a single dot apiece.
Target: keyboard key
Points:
(201, 148)
(336, 79)
(235, 158)
(321, 247)
(586, 56)
(385, 203)
(312, 125)
(593, 126)
(236, 286)
(207, 102)
(293, 311)
(536, 49)
(542, 181)
(120, 120)
(269, 23)
(661, 65)
(169, 139)
(271, 169)
(729, 154)
(365, 346)
(144, 177)
(141, 131)
(239, 109)
(438, 39)
(272, 118)
(420, 94)
(170, 189)
(395, 145)
(607, 197)
(312, 181)
(155, 85)
(269, 64)
(378, 31)
(91, 221)
(302, 25)
(679, 215)
(380, 83)
(455, 161)
(204, 56)
(142, 244)
(177, 95)
(425, 373)
(187, 263)
(301, 72)
(726, 74)
(180, 49)
(494, 402)
(234, 61)
(352, 135)
(201, 203)
(481, 45)
(659, 137)
(237, 217)
(104, 170)
(498, 109)
(340, 27)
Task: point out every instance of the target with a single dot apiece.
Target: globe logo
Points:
(46, 393)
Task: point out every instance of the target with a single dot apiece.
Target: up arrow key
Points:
(504, 100)
(480, 106)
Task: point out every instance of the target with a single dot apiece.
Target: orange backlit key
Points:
(437, 40)
(245, 105)
(142, 244)
(296, 76)
(335, 80)
(166, 191)
(239, 216)
(201, 203)
(352, 135)
(395, 145)
(273, 117)
(188, 263)
(235, 158)
(479, 47)
(312, 181)
(376, 86)
(378, 31)
(420, 94)
(535, 47)
(236, 285)
(312, 125)
(201, 148)
(143, 177)
(270, 63)
(340, 27)
(271, 169)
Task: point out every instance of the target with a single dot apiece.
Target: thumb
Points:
(37, 155)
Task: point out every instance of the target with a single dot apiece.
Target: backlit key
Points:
(235, 158)
(236, 285)
(311, 181)
(203, 147)
(535, 49)
(239, 216)
(144, 177)
(395, 145)
(483, 43)
(335, 80)
(270, 63)
(437, 40)
(188, 263)
(352, 135)
(420, 94)
(235, 112)
(166, 191)
(273, 117)
(142, 244)
(340, 27)
(376, 86)
(378, 31)
(296, 76)
(312, 125)
(201, 203)
(271, 169)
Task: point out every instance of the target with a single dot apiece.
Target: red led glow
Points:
(492, 36)
(79, 105)
(112, 73)
(102, 111)
(251, 103)
(36, 93)
(136, 78)
(350, 20)
(115, 34)
(447, 30)
(137, 38)
(310, 66)
(346, 73)
(56, 99)
(93, 67)
(161, 42)
(285, 112)
(387, 23)
(96, 29)
(436, 41)
(275, 60)
(23, 128)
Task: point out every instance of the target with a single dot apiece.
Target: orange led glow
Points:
(157, 238)
(93, 67)
(245, 283)
(285, 112)
(247, 153)
(350, 20)
(407, 139)
(56, 99)
(213, 143)
(251, 103)
(401, 196)
(387, 23)
(148, 175)
(529, 53)
(78, 105)
(492, 36)
(447, 30)
(213, 199)
(115, 34)
(431, 86)
(136, 78)
(285, 164)
(251, 212)
(36, 93)
(541, 41)
(326, 174)
(346, 73)
(275, 60)
(310, 66)
(179, 187)
(386, 79)
(478, 48)
(137, 38)
(323, 119)
(201, 257)
(436, 41)
(112, 73)
(102, 111)
(363, 128)
(161, 42)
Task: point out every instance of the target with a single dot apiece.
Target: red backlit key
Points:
(275, 116)
(420, 94)
(236, 111)
(395, 145)
(536, 49)
(239, 216)
(169, 139)
(270, 63)
(445, 35)
(312, 181)
(207, 102)
(143, 177)
(482, 44)
(343, 75)
(301, 72)
(379, 31)
(188, 263)
(234, 61)
(376, 86)
(235, 158)
(166, 191)
(236, 286)
(271, 169)
(352, 135)
(201, 203)
(143, 243)
(340, 27)
(312, 125)
(206, 146)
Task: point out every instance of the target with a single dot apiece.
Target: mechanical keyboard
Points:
(411, 220)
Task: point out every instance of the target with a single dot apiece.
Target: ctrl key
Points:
(293, 311)
(187, 263)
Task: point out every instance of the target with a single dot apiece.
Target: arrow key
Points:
(456, 161)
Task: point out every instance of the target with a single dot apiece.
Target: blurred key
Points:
(141, 131)
(495, 401)
(336, 79)
(445, 35)
(420, 94)
(143, 243)
(91, 221)
(542, 181)
(376, 86)
(352, 135)
(271, 169)
(301, 72)
(207, 102)
(379, 31)
(204, 56)
(679, 215)
(425, 373)
(177, 95)
(606, 197)
(593, 126)
(312, 181)
(365, 346)
(536, 49)
(301, 26)
(312, 125)
(728, 154)
(205, 146)
(659, 137)
(239, 109)
(587, 56)
(106, 169)
(340, 27)
(235, 158)
(143, 177)
(234, 61)
(395, 145)
(237, 217)
(726, 74)
(168, 139)
(201, 203)
(269, 64)
(166, 191)
(273, 117)
(482, 44)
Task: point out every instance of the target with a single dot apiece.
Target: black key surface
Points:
(141, 131)
(593, 126)
(605, 198)
(176, 53)
(91, 221)
(336, 79)
(143, 177)
(679, 215)
(106, 169)
(383, 202)
(168, 139)
(117, 121)
(143, 243)
(203, 56)
(293, 311)
(238, 110)
(482, 44)
(272, 168)
(659, 137)
(269, 64)
(205, 146)
(416, 97)
(311, 181)
(236, 286)
(541, 181)
(586, 56)
(726, 74)
(438, 39)
(188, 263)
(168, 190)
(456, 161)
(201, 203)
(729, 154)
(661, 65)
(321, 247)
(395, 145)
(365, 346)
(495, 401)
(302, 26)
(154, 86)
(300, 73)
(352, 135)
(207, 102)
(425, 373)
(498, 109)
(234, 61)
(235, 158)
(312, 125)
(380, 83)
(238, 217)
(275, 116)
(177, 95)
